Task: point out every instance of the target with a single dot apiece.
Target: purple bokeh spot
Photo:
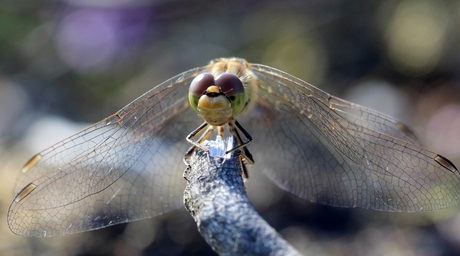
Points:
(90, 38)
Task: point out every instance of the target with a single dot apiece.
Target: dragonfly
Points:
(314, 145)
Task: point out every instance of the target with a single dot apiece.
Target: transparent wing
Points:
(125, 167)
(330, 151)
(338, 153)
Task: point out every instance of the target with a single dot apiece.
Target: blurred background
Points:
(65, 64)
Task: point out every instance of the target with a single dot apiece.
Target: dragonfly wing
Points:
(123, 168)
(338, 153)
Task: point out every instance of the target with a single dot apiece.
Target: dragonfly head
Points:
(216, 100)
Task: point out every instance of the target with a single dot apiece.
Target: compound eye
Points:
(200, 83)
(230, 84)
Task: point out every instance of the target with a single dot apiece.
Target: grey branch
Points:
(216, 198)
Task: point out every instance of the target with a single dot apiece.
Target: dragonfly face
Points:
(216, 101)
(328, 150)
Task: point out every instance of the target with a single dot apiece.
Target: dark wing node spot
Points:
(25, 192)
(446, 163)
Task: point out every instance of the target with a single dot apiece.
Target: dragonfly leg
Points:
(234, 126)
(205, 130)
(243, 167)
(245, 155)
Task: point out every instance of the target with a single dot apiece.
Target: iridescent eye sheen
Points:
(200, 83)
(230, 84)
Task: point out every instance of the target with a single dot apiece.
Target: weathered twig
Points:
(216, 198)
